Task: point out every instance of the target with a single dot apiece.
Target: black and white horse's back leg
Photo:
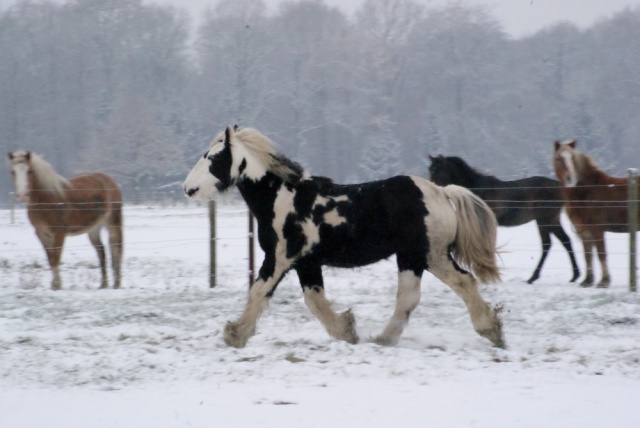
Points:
(339, 326)
(407, 299)
(486, 321)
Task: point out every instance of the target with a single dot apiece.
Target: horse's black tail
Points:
(476, 235)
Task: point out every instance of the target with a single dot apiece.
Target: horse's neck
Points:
(43, 194)
(592, 175)
(260, 195)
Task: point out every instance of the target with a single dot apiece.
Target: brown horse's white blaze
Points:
(307, 222)
(595, 202)
(58, 207)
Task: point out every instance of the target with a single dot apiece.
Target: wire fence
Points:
(185, 227)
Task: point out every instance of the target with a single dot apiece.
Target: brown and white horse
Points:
(595, 203)
(58, 207)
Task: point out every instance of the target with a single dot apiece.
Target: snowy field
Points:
(152, 355)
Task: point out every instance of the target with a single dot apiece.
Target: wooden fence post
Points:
(212, 244)
(12, 199)
(633, 226)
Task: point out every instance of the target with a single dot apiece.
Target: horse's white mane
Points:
(44, 174)
(264, 151)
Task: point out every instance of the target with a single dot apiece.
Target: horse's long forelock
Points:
(583, 164)
(265, 153)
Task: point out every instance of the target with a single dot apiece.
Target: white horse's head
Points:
(233, 155)
(22, 174)
(564, 162)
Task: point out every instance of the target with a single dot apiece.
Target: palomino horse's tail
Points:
(475, 244)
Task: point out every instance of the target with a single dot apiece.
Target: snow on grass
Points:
(151, 354)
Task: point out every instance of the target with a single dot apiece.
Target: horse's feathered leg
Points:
(407, 299)
(486, 320)
(339, 326)
(237, 333)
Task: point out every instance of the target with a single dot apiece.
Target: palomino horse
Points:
(58, 207)
(595, 202)
(514, 202)
(306, 222)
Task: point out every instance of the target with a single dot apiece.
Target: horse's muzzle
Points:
(191, 191)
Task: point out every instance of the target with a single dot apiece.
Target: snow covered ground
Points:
(152, 355)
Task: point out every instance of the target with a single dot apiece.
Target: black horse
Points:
(513, 202)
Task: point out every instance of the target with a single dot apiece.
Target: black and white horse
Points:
(305, 222)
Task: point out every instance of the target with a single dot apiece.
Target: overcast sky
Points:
(518, 17)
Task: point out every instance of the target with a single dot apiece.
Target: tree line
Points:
(133, 90)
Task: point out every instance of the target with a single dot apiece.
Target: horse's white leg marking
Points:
(115, 246)
(339, 326)
(587, 243)
(407, 299)
(52, 244)
(485, 320)
(237, 333)
(601, 249)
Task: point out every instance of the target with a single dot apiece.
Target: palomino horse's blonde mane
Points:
(45, 176)
(264, 151)
(581, 161)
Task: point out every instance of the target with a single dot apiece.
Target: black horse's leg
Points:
(566, 243)
(545, 237)
(339, 326)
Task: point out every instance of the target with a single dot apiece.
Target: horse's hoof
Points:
(232, 336)
(348, 321)
(588, 282)
(603, 284)
(384, 341)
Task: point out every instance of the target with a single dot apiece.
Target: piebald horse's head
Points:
(233, 155)
(566, 162)
(22, 174)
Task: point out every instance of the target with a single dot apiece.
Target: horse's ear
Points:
(10, 156)
(572, 144)
(236, 127)
(556, 145)
(431, 158)
(27, 156)
(228, 133)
